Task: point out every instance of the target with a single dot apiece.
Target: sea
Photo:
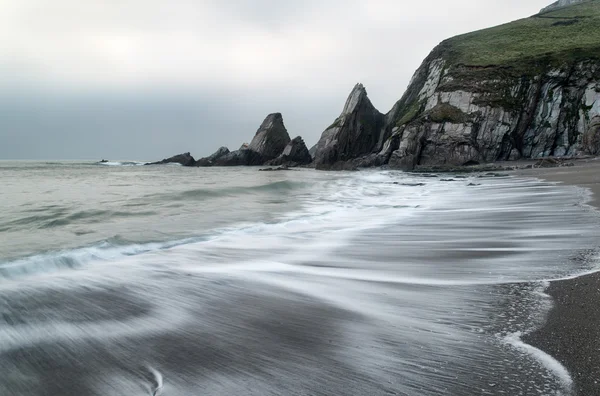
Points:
(124, 279)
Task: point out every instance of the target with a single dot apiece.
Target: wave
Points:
(109, 250)
(204, 193)
(121, 163)
(59, 217)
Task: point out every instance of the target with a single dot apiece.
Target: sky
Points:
(147, 79)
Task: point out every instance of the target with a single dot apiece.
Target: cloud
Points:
(299, 56)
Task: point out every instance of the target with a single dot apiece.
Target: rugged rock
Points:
(270, 139)
(355, 133)
(211, 159)
(269, 143)
(295, 154)
(483, 97)
(184, 159)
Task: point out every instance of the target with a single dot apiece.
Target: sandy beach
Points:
(572, 331)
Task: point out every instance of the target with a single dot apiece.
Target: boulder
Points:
(184, 159)
(295, 154)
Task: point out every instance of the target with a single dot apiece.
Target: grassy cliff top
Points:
(559, 35)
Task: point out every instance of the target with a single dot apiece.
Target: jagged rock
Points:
(211, 159)
(355, 133)
(295, 154)
(184, 159)
(270, 140)
(269, 143)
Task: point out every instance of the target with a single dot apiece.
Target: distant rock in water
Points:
(295, 154)
(212, 159)
(269, 143)
(355, 133)
(184, 159)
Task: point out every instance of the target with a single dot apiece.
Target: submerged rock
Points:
(184, 159)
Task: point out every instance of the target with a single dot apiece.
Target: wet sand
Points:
(572, 332)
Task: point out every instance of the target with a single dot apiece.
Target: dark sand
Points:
(572, 332)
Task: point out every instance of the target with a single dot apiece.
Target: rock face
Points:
(356, 132)
(184, 159)
(295, 154)
(270, 139)
(470, 115)
(211, 160)
(469, 103)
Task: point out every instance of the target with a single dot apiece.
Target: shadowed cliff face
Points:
(356, 132)
(466, 105)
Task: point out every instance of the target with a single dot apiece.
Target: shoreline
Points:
(571, 332)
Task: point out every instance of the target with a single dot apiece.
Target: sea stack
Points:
(270, 140)
(356, 132)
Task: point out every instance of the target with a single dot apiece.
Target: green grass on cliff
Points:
(560, 35)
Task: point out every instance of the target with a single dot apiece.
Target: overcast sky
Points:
(145, 79)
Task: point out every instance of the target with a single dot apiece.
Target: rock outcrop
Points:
(294, 154)
(184, 159)
(483, 97)
(355, 133)
(271, 142)
(212, 159)
(270, 139)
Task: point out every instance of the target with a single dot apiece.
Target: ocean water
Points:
(122, 279)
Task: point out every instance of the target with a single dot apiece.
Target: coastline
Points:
(571, 333)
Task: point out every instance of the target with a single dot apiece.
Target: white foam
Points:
(123, 163)
(158, 378)
(551, 364)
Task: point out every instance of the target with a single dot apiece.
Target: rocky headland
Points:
(529, 89)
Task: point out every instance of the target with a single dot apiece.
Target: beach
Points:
(119, 278)
(572, 331)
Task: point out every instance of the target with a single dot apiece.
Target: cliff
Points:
(527, 89)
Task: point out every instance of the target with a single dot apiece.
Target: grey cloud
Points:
(137, 79)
